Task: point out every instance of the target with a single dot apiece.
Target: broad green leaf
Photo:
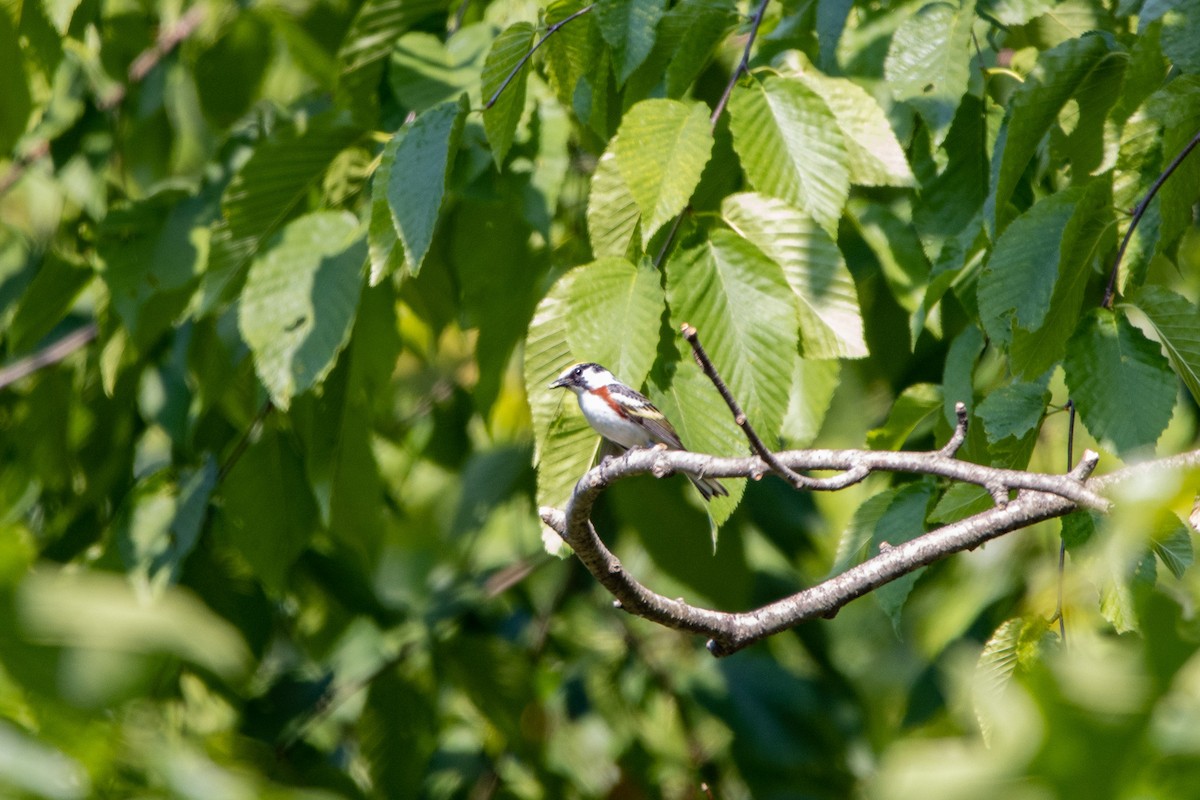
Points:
(265, 192)
(1177, 107)
(160, 525)
(417, 177)
(1181, 34)
(573, 51)
(791, 147)
(903, 520)
(929, 60)
(47, 299)
(1087, 143)
(813, 384)
(1015, 12)
(960, 501)
(15, 100)
(500, 121)
(1034, 107)
(688, 398)
(1120, 587)
(1176, 323)
(628, 27)
(1014, 645)
(854, 545)
(914, 411)
(270, 536)
(32, 768)
(744, 311)
(1119, 381)
(612, 212)
(152, 252)
(661, 148)
(958, 384)
(426, 71)
(383, 242)
(1172, 543)
(1031, 290)
(1013, 410)
(830, 321)
(299, 302)
(702, 25)
(616, 311)
(376, 27)
(831, 21)
(876, 158)
(1139, 161)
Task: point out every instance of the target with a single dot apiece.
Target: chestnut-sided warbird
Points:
(623, 416)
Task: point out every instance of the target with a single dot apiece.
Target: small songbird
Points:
(623, 415)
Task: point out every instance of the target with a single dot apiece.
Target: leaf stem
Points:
(553, 29)
(1140, 210)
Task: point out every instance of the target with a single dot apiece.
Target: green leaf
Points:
(903, 520)
(661, 148)
(500, 121)
(265, 192)
(1119, 381)
(876, 158)
(1031, 305)
(628, 27)
(15, 100)
(929, 60)
(854, 545)
(613, 295)
(1034, 107)
(573, 52)
(1172, 543)
(47, 300)
(426, 71)
(1176, 323)
(960, 501)
(1013, 410)
(791, 147)
(376, 27)
(269, 535)
(417, 177)
(688, 398)
(830, 321)
(696, 28)
(813, 385)
(914, 412)
(612, 211)
(958, 373)
(299, 302)
(1181, 34)
(383, 242)
(742, 307)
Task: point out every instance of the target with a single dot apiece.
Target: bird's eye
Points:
(578, 372)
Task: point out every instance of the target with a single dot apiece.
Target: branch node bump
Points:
(1086, 465)
(618, 604)
(999, 493)
(960, 431)
(884, 546)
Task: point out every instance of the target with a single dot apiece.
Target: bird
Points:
(625, 416)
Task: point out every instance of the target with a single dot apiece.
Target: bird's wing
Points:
(643, 412)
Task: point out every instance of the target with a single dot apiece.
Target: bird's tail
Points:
(709, 487)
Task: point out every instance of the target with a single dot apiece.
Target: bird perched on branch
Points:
(624, 416)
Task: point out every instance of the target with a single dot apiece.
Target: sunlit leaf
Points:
(928, 62)
(913, 412)
(628, 27)
(500, 121)
(661, 149)
(612, 212)
(300, 300)
(1176, 324)
(613, 295)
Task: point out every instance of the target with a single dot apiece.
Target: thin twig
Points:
(1110, 290)
(553, 29)
(48, 355)
(244, 442)
(1062, 541)
(459, 15)
(743, 65)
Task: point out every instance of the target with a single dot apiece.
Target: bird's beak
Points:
(560, 383)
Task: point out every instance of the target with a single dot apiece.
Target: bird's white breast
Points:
(612, 425)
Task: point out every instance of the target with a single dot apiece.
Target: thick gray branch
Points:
(1040, 497)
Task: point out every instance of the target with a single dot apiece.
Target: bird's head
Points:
(581, 377)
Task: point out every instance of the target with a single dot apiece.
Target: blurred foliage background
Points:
(268, 518)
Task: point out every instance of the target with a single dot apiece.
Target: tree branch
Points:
(1042, 497)
(51, 354)
(1110, 290)
(553, 29)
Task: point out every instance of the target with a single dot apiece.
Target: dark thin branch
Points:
(1110, 290)
(244, 442)
(48, 355)
(853, 473)
(1062, 542)
(743, 65)
(729, 632)
(553, 29)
